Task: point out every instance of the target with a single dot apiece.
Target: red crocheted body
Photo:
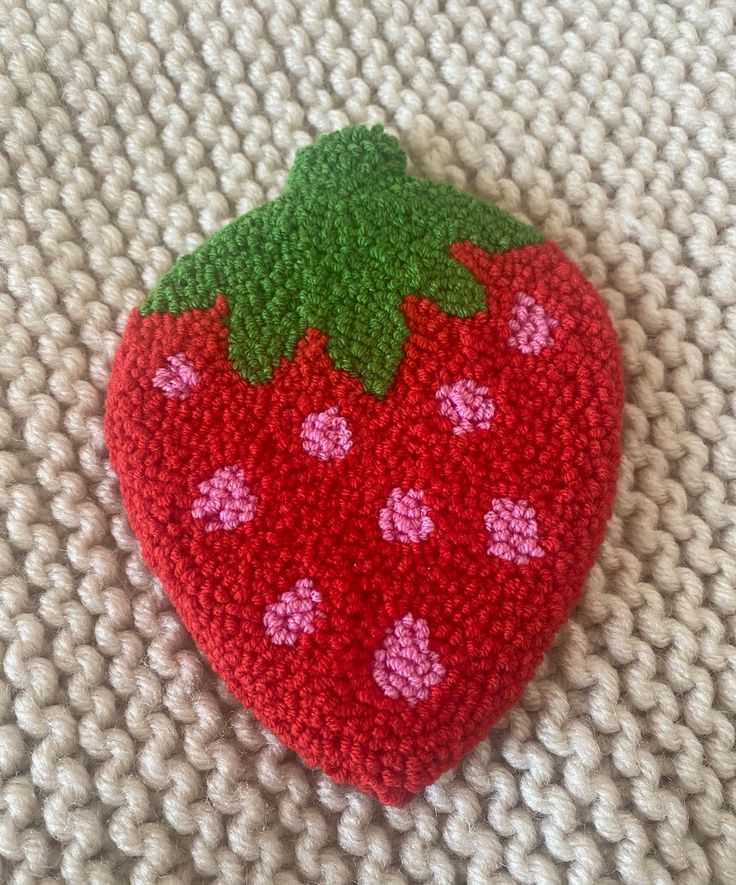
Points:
(378, 578)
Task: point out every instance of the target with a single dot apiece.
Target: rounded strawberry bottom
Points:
(378, 579)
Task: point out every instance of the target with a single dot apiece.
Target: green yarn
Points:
(349, 239)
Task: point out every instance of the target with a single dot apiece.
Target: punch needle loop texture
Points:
(367, 436)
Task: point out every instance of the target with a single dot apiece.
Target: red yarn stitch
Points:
(553, 442)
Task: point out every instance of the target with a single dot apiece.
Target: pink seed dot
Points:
(293, 613)
(512, 526)
(405, 518)
(530, 325)
(225, 500)
(406, 666)
(467, 405)
(326, 435)
(178, 378)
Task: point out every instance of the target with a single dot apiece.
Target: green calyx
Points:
(351, 236)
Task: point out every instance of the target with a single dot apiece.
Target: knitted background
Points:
(132, 129)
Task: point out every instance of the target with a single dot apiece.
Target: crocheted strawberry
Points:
(367, 436)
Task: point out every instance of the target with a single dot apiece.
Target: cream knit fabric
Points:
(132, 129)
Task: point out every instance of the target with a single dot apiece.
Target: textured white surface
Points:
(132, 129)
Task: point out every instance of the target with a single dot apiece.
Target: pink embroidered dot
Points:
(326, 435)
(178, 378)
(226, 501)
(406, 667)
(466, 405)
(512, 526)
(405, 518)
(292, 614)
(530, 325)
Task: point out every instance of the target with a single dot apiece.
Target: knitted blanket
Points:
(130, 131)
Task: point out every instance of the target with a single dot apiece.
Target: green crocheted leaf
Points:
(339, 251)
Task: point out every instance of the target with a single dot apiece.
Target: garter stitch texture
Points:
(283, 414)
(130, 131)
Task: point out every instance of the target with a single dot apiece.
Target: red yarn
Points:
(550, 441)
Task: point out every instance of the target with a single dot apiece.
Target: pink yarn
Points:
(406, 666)
(226, 501)
(292, 614)
(405, 518)
(178, 379)
(326, 435)
(530, 325)
(512, 526)
(467, 405)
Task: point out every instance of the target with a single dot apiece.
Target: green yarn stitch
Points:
(351, 236)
